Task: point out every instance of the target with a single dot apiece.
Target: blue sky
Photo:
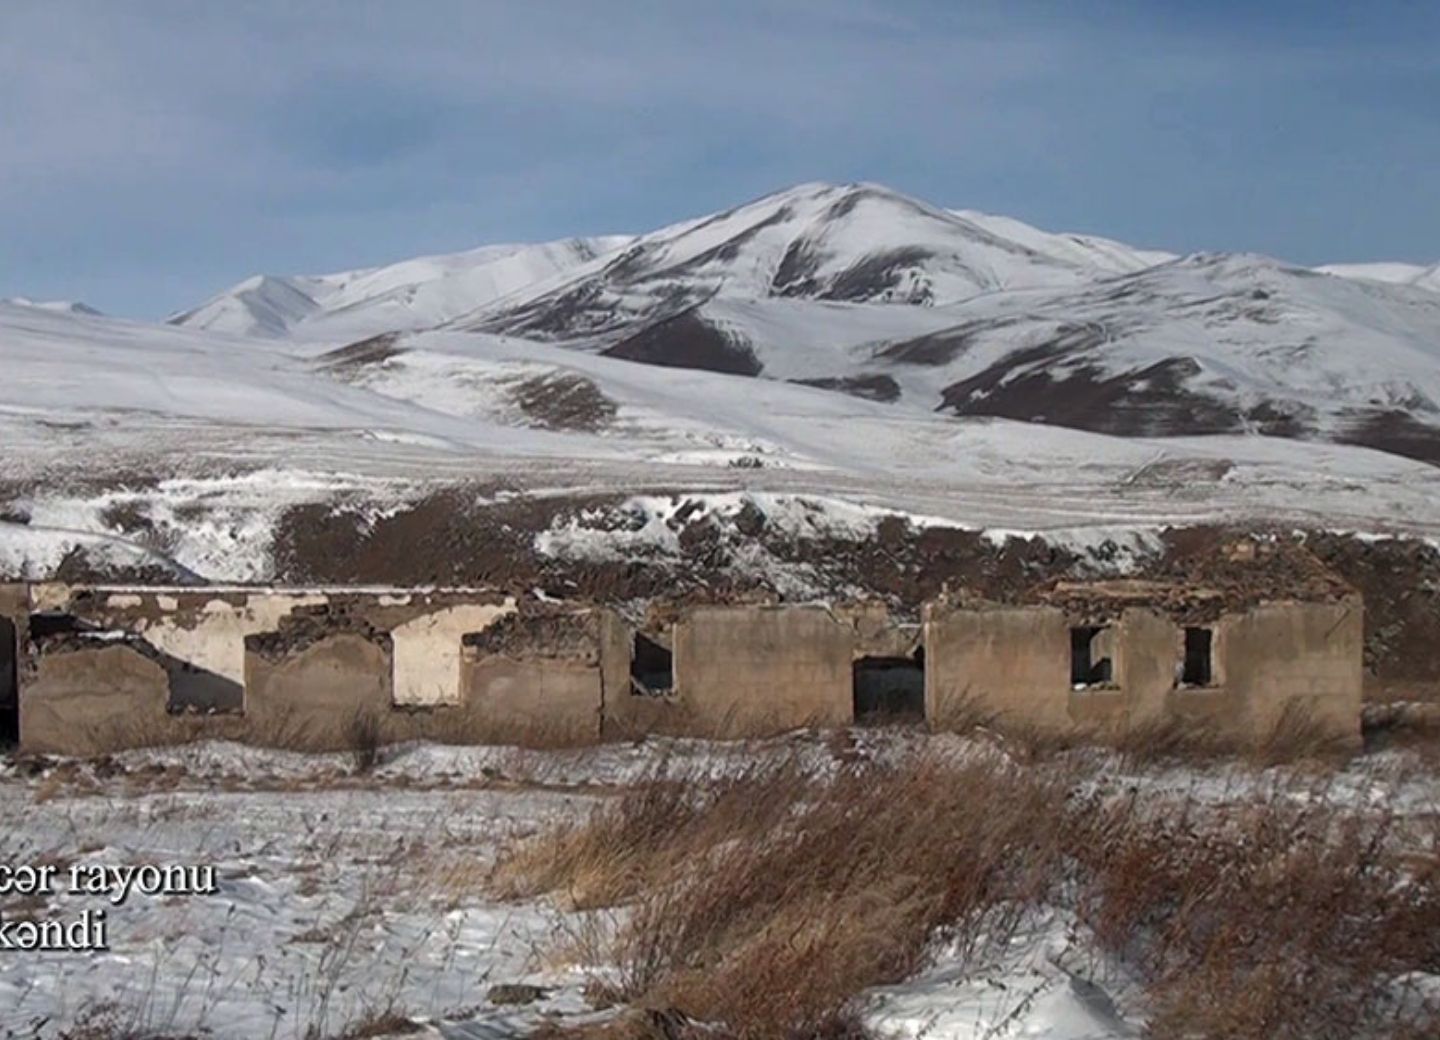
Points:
(155, 151)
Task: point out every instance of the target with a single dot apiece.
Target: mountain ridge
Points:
(859, 289)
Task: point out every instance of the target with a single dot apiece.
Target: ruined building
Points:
(93, 668)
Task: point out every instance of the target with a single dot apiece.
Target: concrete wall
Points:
(536, 679)
(1009, 664)
(427, 651)
(535, 702)
(85, 700)
(744, 671)
(312, 693)
(1301, 659)
(311, 661)
(206, 628)
(1012, 666)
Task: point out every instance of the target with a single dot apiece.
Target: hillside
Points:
(825, 357)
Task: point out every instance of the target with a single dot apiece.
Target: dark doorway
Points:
(9, 682)
(1198, 669)
(652, 668)
(889, 689)
(1089, 664)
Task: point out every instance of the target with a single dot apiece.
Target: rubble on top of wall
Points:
(1229, 578)
(310, 624)
(64, 633)
(539, 630)
(1103, 601)
(660, 614)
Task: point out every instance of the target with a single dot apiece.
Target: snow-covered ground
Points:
(342, 896)
(212, 438)
(886, 336)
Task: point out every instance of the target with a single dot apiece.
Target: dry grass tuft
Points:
(763, 905)
(767, 901)
(365, 738)
(1297, 736)
(1281, 918)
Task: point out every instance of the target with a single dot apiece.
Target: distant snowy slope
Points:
(62, 306)
(412, 294)
(861, 290)
(1210, 343)
(1102, 255)
(175, 451)
(1393, 273)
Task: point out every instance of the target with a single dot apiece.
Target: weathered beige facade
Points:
(535, 679)
(313, 692)
(104, 667)
(1127, 655)
(742, 671)
(82, 699)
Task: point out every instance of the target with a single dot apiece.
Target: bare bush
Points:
(1280, 918)
(365, 739)
(769, 902)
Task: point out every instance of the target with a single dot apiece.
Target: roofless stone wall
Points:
(104, 667)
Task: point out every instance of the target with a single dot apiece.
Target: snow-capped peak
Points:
(412, 294)
(58, 306)
(1416, 275)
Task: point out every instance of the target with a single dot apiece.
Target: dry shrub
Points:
(1297, 736)
(767, 903)
(365, 739)
(1171, 738)
(462, 726)
(1280, 918)
(640, 840)
(1409, 726)
(109, 1020)
(770, 902)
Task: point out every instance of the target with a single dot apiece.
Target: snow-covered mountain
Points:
(858, 244)
(61, 306)
(858, 289)
(826, 340)
(1102, 255)
(167, 451)
(414, 294)
(1392, 273)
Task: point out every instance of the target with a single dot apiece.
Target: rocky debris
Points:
(311, 624)
(1399, 579)
(511, 993)
(1200, 578)
(553, 633)
(564, 401)
(485, 535)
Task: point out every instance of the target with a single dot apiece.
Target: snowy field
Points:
(208, 440)
(349, 902)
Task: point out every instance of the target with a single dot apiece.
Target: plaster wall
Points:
(206, 629)
(311, 694)
(1269, 662)
(536, 701)
(427, 651)
(1303, 658)
(745, 671)
(84, 701)
(1011, 664)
